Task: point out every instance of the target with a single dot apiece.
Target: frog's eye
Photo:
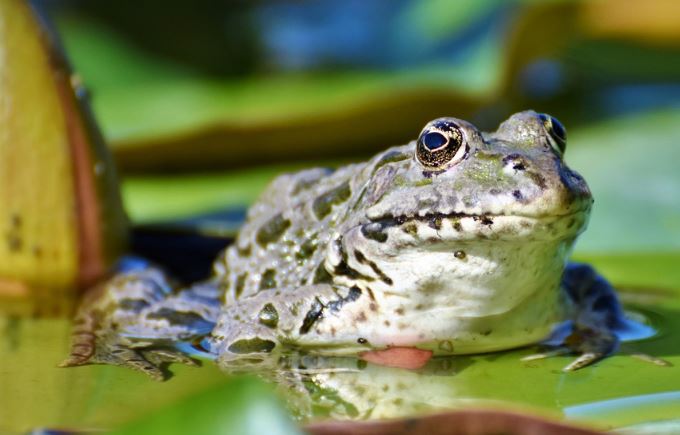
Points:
(556, 132)
(440, 144)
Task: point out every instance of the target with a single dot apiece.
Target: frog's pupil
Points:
(433, 140)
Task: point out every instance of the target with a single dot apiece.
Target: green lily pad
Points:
(108, 397)
(35, 393)
(241, 406)
(631, 164)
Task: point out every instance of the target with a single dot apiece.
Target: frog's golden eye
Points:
(440, 144)
(556, 132)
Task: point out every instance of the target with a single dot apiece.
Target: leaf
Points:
(243, 405)
(61, 218)
(631, 165)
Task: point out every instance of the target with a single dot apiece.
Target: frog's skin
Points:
(455, 243)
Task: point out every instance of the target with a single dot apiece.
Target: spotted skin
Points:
(455, 246)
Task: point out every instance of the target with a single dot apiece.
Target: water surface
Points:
(620, 391)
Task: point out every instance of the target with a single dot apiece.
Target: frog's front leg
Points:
(137, 317)
(320, 316)
(595, 314)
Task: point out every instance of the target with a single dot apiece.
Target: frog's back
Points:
(282, 243)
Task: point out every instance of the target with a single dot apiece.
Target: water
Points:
(621, 391)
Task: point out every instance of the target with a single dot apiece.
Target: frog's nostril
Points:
(517, 162)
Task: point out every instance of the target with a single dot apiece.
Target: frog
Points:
(455, 243)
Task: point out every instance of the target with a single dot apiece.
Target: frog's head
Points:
(463, 184)
(476, 222)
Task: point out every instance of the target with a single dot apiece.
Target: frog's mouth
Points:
(433, 226)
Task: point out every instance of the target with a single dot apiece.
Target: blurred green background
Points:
(204, 102)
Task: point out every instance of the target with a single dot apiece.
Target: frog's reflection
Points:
(350, 388)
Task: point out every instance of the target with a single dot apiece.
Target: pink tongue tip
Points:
(400, 357)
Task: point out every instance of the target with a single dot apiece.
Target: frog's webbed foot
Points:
(596, 320)
(145, 357)
(591, 345)
(136, 319)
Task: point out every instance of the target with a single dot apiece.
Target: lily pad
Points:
(631, 164)
(241, 406)
(107, 397)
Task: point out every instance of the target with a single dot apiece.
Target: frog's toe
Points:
(83, 345)
(167, 356)
(80, 355)
(133, 359)
(583, 360)
(591, 345)
(140, 356)
(152, 361)
(652, 359)
(144, 357)
(547, 354)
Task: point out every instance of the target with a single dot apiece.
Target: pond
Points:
(618, 392)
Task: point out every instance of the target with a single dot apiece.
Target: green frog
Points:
(456, 243)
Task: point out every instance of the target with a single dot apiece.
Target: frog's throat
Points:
(498, 296)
